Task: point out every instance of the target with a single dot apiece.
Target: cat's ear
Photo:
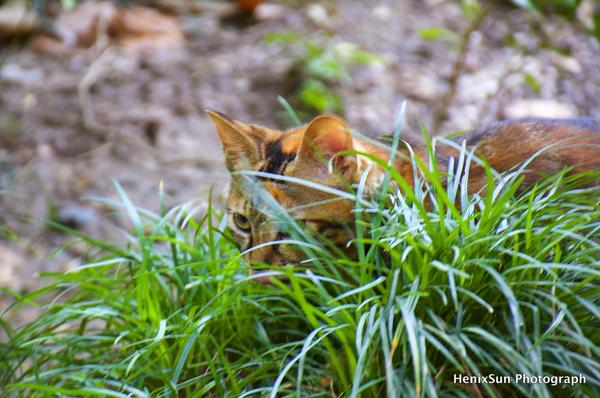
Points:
(324, 137)
(240, 147)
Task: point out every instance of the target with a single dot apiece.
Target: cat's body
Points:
(324, 152)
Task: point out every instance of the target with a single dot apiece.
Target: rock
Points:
(49, 45)
(179, 7)
(383, 12)
(142, 27)
(318, 15)
(14, 73)
(566, 64)
(539, 108)
(585, 12)
(77, 216)
(477, 87)
(421, 86)
(16, 19)
(248, 5)
(269, 12)
(103, 23)
(11, 262)
(45, 152)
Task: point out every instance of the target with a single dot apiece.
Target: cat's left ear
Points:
(324, 137)
(240, 147)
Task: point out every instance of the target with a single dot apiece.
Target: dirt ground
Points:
(71, 124)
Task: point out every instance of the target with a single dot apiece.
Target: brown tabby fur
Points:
(304, 152)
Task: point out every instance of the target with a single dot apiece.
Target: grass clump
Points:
(504, 282)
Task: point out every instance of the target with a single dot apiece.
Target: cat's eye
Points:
(241, 221)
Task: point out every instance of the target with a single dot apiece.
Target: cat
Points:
(325, 152)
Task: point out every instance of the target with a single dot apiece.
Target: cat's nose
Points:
(256, 260)
(267, 251)
(265, 255)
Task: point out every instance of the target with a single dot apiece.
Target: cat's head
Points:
(320, 152)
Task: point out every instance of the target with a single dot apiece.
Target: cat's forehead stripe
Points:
(291, 141)
(276, 160)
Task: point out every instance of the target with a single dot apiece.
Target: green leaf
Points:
(282, 37)
(470, 8)
(596, 29)
(361, 57)
(438, 33)
(326, 67)
(68, 4)
(532, 82)
(315, 94)
(527, 4)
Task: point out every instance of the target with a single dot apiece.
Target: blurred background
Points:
(96, 91)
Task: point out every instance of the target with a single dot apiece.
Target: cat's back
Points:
(523, 129)
(550, 145)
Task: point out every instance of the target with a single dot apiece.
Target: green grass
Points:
(505, 283)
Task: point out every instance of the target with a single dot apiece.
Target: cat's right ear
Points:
(324, 138)
(239, 147)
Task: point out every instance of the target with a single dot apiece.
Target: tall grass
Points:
(502, 282)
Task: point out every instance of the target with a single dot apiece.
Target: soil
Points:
(73, 124)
